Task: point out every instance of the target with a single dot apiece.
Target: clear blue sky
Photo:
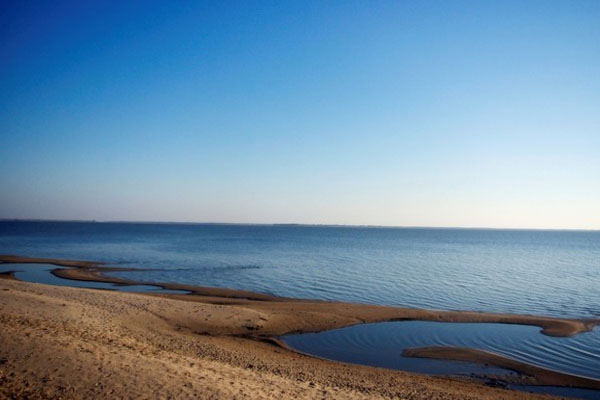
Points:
(432, 113)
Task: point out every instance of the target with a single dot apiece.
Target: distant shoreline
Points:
(292, 224)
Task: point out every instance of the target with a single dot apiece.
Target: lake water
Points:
(539, 272)
(555, 273)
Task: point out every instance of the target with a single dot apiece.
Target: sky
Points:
(402, 113)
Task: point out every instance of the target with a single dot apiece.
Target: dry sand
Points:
(83, 343)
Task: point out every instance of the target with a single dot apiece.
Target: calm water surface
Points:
(40, 273)
(381, 345)
(540, 272)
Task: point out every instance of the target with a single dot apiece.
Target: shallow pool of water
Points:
(40, 273)
(381, 345)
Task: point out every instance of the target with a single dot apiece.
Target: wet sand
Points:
(529, 374)
(209, 344)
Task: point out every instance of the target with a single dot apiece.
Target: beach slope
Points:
(61, 342)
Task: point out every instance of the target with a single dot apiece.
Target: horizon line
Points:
(288, 224)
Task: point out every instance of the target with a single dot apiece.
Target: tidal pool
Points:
(381, 345)
(40, 273)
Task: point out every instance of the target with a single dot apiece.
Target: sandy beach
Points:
(62, 342)
(77, 343)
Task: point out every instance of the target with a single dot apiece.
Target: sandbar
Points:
(529, 374)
